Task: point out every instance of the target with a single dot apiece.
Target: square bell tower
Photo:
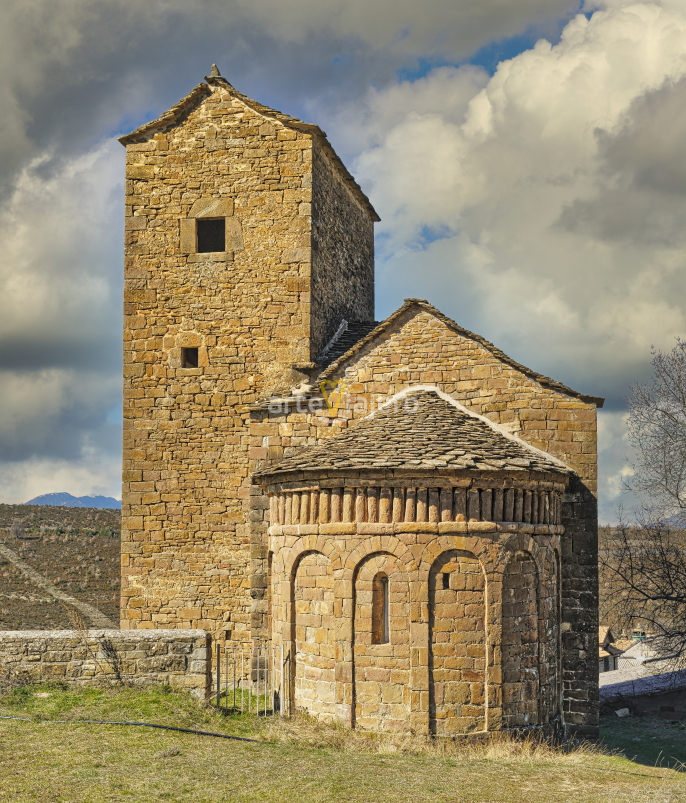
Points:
(247, 244)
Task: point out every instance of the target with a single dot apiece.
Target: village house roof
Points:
(607, 645)
(359, 334)
(421, 430)
(605, 635)
(178, 111)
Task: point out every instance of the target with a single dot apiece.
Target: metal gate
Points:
(250, 679)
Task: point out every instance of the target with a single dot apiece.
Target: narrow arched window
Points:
(380, 610)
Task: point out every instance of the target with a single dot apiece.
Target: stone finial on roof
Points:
(214, 72)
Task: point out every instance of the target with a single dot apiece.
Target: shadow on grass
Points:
(643, 740)
(650, 741)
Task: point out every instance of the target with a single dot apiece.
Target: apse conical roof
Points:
(422, 430)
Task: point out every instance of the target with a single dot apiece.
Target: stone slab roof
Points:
(421, 430)
(330, 366)
(353, 333)
(177, 112)
(655, 677)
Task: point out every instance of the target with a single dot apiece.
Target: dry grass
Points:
(294, 761)
(306, 731)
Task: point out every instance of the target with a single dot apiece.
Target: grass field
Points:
(297, 761)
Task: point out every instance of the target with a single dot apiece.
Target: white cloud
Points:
(88, 475)
(542, 207)
(72, 69)
(60, 324)
(541, 213)
(61, 232)
(614, 470)
(432, 26)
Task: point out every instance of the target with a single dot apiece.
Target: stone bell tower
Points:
(247, 244)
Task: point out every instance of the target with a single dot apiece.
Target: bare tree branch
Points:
(643, 562)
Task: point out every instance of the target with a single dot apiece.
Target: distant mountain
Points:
(67, 500)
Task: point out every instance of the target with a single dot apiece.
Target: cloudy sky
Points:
(527, 158)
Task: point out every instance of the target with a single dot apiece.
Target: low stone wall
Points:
(179, 658)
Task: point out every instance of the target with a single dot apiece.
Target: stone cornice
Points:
(399, 478)
(440, 528)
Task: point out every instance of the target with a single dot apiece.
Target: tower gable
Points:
(297, 227)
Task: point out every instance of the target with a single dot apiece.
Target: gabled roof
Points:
(605, 636)
(169, 118)
(420, 430)
(193, 99)
(331, 366)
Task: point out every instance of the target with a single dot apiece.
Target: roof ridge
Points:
(171, 116)
(446, 397)
(542, 379)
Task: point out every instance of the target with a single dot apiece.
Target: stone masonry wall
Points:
(457, 652)
(382, 670)
(315, 638)
(441, 669)
(342, 255)
(420, 348)
(179, 658)
(521, 671)
(185, 536)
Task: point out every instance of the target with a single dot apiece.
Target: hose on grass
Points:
(139, 724)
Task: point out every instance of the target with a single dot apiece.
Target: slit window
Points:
(211, 235)
(446, 580)
(189, 357)
(380, 610)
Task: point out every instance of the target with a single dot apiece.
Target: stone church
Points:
(406, 509)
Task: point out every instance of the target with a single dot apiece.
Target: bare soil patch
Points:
(77, 549)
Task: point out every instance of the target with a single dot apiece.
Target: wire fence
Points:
(249, 680)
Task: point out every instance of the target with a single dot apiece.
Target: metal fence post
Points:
(219, 677)
(234, 677)
(281, 691)
(257, 675)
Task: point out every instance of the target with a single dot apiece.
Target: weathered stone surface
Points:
(421, 347)
(153, 656)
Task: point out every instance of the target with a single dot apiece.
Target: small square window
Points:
(211, 235)
(189, 357)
